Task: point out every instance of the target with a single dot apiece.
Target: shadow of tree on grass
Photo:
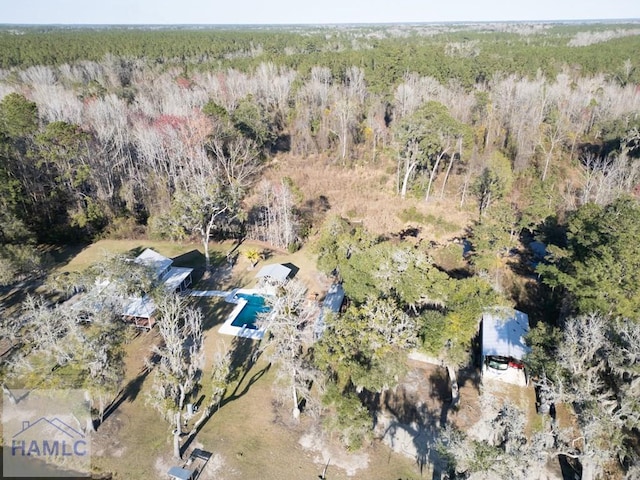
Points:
(244, 355)
(214, 311)
(128, 393)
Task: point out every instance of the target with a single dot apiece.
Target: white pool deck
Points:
(230, 297)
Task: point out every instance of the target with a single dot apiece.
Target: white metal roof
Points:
(178, 473)
(151, 258)
(175, 276)
(142, 307)
(503, 331)
(275, 271)
(332, 301)
(95, 299)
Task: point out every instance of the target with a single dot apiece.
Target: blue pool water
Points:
(249, 314)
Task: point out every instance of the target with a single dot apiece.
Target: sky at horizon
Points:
(204, 12)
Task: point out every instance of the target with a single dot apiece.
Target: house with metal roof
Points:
(156, 262)
(140, 311)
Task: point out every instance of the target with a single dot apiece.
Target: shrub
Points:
(123, 228)
(293, 247)
(412, 214)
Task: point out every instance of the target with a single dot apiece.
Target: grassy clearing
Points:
(190, 253)
(251, 435)
(368, 195)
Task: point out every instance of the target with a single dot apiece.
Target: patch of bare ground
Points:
(331, 455)
(495, 394)
(367, 194)
(465, 412)
(412, 415)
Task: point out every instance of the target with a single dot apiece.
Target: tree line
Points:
(469, 54)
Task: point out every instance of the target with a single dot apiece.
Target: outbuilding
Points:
(503, 345)
(178, 473)
(274, 273)
(332, 303)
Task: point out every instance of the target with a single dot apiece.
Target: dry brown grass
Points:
(367, 194)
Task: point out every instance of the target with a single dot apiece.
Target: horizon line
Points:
(311, 24)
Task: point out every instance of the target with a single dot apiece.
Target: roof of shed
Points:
(503, 331)
(333, 299)
(180, 473)
(275, 271)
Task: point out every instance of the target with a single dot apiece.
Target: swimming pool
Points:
(248, 316)
(241, 322)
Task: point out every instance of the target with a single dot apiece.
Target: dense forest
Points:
(530, 132)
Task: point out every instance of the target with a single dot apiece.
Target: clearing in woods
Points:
(252, 434)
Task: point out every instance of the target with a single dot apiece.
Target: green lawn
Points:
(185, 254)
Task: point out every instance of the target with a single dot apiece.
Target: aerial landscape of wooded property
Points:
(394, 251)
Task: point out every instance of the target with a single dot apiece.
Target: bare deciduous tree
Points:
(288, 333)
(275, 221)
(501, 448)
(180, 360)
(553, 133)
(67, 348)
(347, 108)
(220, 373)
(602, 387)
(604, 179)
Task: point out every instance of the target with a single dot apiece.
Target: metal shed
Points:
(275, 272)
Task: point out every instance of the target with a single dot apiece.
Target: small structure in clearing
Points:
(271, 276)
(197, 462)
(274, 273)
(503, 345)
(177, 473)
